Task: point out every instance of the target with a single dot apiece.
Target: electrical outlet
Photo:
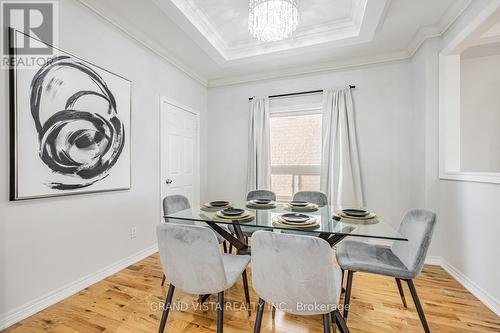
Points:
(133, 232)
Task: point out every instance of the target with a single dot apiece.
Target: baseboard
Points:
(434, 260)
(37, 305)
(491, 302)
(483, 296)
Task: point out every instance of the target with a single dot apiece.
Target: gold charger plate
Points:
(279, 221)
(372, 218)
(208, 208)
(252, 204)
(309, 208)
(246, 216)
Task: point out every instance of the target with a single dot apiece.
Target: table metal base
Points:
(241, 244)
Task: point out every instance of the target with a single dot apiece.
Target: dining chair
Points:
(252, 195)
(315, 197)
(175, 203)
(192, 262)
(403, 261)
(261, 194)
(296, 274)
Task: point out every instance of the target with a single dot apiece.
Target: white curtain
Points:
(340, 172)
(259, 158)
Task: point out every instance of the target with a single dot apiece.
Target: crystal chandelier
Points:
(272, 20)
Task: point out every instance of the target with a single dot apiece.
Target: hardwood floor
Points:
(127, 302)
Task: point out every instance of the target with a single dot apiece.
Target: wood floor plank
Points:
(129, 302)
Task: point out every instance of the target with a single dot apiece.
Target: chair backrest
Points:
(417, 226)
(191, 258)
(295, 272)
(174, 203)
(318, 198)
(261, 194)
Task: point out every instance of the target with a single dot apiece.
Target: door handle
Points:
(169, 181)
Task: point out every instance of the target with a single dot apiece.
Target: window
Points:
(295, 152)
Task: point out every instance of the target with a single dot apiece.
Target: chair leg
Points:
(230, 248)
(342, 282)
(224, 245)
(334, 322)
(420, 310)
(245, 287)
(220, 312)
(203, 298)
(163, 280)
(401, 292)
(166, 308)
(258, 319)
(326, 323)
(273, 312)
(339, 321)
(347, 298)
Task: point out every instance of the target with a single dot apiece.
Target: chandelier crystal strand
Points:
(272, 20)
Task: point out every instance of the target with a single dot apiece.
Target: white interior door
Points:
(179, 151)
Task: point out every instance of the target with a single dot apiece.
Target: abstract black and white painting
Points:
(70, 128)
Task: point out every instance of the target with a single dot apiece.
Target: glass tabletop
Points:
(268, 219)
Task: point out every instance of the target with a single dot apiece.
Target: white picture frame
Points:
(70, 127)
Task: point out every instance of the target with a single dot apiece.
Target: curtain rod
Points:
(299, 93)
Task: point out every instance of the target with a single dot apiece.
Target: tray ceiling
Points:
(223, 24)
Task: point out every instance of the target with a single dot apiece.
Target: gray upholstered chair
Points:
(296, 274)
(175, 203)
(403, 261)
(191, 261)
(252, 195)
(261, 194)
(318, 198)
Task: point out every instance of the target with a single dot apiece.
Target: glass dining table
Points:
(329, 226)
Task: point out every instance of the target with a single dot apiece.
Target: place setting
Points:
(355, 215)
(301, 206)
(234, 214)
(296, 220)
(216, 205)
(261, 204)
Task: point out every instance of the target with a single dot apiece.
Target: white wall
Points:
(480, 114)
(385, 115)
(468, 212)
(425, 92)
(46, 244)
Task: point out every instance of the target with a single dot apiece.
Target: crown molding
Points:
(199, 19)
(307, 70)
(147, 43)
(437, 30)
